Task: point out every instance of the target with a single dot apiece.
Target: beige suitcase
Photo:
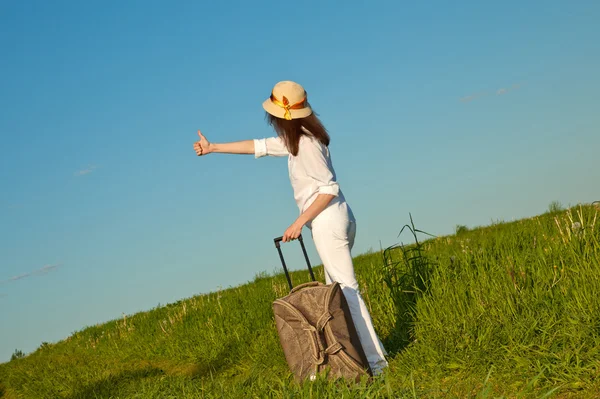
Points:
(316, 330)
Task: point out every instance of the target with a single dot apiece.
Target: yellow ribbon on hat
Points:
(285, 104)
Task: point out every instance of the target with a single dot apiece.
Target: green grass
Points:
(509, 310)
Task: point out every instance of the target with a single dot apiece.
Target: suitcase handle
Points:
(305, 285)
(277, 242)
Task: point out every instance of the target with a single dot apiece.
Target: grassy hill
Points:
(509, 310)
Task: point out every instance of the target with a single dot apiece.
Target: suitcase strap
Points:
(317, 346)
(319, 351)
(323, 320)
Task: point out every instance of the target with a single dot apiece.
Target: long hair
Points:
(291, 130)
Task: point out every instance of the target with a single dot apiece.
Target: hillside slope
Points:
(508, 309)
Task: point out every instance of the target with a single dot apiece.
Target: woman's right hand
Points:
(202, 147)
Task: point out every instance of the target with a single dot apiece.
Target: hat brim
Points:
(280, 112)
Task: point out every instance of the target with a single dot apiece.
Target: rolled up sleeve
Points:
(317, 168)
(331, 188)
(271, 146)
(260, 148)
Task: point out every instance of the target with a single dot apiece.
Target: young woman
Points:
(323, 209)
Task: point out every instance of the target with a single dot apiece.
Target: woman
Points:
(323, 209)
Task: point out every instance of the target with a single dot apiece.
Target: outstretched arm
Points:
(204, 147)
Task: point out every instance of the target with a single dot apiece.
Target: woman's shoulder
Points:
(311, 147)
(308, 140)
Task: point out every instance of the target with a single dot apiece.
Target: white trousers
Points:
(333, 232)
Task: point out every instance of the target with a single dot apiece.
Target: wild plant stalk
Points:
(407, 280)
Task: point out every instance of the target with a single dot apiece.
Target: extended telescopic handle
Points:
(287, 274)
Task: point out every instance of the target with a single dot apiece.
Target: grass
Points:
(509, 310)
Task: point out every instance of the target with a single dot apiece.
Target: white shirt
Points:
(311, 171)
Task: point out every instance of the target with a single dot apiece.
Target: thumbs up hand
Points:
(202, 147)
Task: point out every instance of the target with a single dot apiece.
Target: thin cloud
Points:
(473, 96)
(86, 171)
(501, 91)
(44, 270)
(504, 90)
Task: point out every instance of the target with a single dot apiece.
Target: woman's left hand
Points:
(293, 232)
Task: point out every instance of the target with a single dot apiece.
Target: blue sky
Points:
(458, 113)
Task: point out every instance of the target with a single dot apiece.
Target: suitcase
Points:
(316, 330)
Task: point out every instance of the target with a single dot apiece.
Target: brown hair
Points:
(291, 130)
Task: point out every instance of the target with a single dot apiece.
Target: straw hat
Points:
(288, 101)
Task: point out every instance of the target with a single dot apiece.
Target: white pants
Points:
(333, 232)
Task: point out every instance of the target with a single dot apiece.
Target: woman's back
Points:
(311, 172)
